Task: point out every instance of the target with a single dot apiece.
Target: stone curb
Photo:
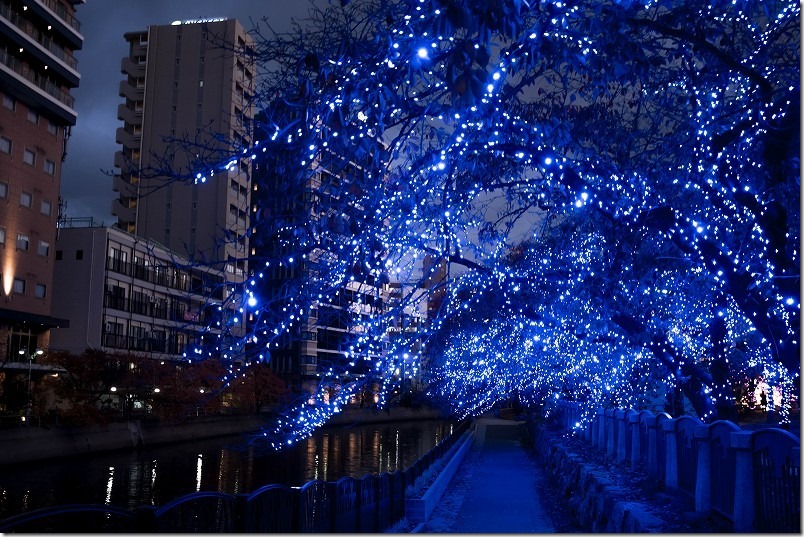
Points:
(598, 504)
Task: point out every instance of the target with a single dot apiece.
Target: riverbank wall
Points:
(27, 444)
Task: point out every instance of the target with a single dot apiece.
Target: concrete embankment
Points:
(27, 444)
(34, 443)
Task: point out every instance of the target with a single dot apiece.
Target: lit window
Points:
(22, 241)
(40, 291)
(26, 200)
(33, 116)
(9, 102)
(19, 286)
(5, 145)
(43, 249)
(50, 167)
(29, 157)
(46, 208)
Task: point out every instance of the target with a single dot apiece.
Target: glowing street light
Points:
(37, 352)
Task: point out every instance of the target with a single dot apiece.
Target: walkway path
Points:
(495, 489)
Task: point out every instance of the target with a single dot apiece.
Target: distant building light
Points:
(198, 21)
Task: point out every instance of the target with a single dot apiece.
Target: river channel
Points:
(156, 475)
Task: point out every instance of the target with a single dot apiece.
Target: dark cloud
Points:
(86, 188)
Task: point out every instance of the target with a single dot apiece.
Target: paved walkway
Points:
(495, 489)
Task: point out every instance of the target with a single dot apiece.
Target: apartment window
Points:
(52, 128)
(50, 167)
(26, 199)
(29, 157)
(33, 116)
(43, 249)
(40, 290)
(19, 286)
(3, 189)
(22, 241)
(309, 336)
(2, 236)
(5, 145)
(9, 102)
(46, 208)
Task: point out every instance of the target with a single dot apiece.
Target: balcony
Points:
(130, 116)
(126, 138)
(61, 20)
(20, 79)
(130, 92)
(26, 35)
(130, 67)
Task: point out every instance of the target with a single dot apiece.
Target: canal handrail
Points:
(370, 504)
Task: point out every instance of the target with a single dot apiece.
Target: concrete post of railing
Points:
(703, 480)
(601, 428)
(670, 454)
(652, 422)
(622, 430)
(636, 449)
(744, 516)
(611, 433)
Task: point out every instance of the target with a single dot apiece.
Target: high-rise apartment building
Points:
(37, 73)
(187, 91)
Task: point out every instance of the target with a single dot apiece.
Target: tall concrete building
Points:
(190, 81)
(37, 73)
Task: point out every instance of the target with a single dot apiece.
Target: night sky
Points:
(86, 189)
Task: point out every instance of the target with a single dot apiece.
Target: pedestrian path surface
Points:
(495, 488)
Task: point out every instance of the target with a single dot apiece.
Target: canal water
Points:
(156, 475)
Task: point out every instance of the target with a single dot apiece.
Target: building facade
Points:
(187, 105)
(122, 294)
(38, 71)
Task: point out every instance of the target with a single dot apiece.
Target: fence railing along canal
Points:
(751, 478)
(370, 504)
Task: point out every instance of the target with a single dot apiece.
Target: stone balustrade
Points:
(748, 477)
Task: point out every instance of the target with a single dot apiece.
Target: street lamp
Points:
(37, 352)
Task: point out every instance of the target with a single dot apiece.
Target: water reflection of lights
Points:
(109, 484)
(378, 446)
(153, 474)
(199, 464)
(396, 449)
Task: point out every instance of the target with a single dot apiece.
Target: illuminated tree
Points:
(641, 159)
